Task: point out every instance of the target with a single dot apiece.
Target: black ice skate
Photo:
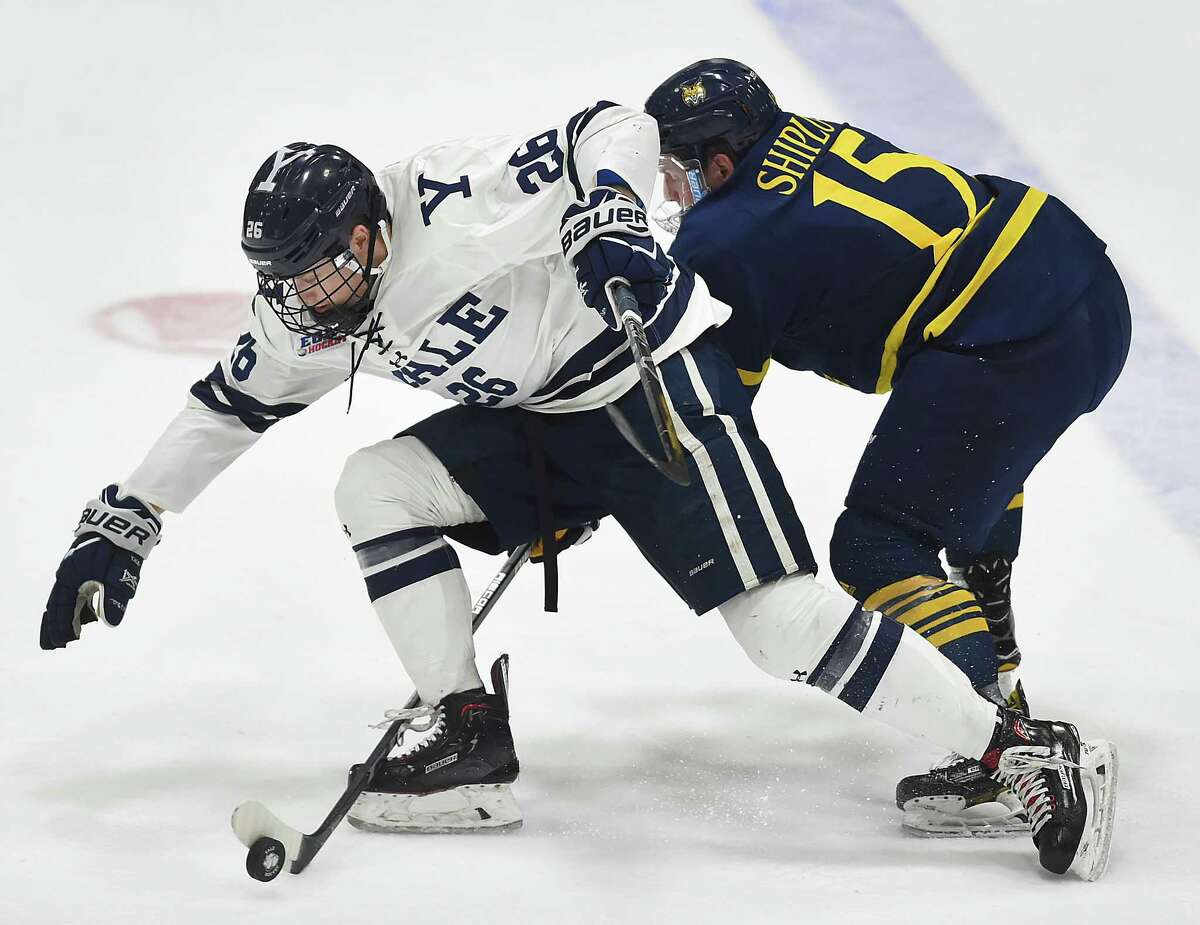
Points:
(1067, 786)
(960, 797)
(456, 779)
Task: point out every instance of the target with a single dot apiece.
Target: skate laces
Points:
(425, 711)
(1021, 769)
(432, 729)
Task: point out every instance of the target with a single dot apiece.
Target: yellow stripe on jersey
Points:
(883, 167)
(912, 229)
(891, 346)
(1012, 232)
(754, 378)
(1017, 501)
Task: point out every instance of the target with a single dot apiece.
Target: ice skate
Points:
(958, 797)
(1067, 786)
(457, 778)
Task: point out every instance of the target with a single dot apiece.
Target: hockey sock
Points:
(921, 693)
(421, 597)
(949, 618)
(795, 629)
(881, 668)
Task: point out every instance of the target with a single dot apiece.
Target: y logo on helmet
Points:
(283, 157)
(693, 94)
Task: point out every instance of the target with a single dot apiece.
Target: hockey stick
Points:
(272, 842)
(674, 467)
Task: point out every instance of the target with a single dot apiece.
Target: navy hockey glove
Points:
(104, 564)
(608, 238)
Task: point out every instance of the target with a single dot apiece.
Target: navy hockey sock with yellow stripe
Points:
(946, 616)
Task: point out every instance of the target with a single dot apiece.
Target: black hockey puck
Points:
(265, 859)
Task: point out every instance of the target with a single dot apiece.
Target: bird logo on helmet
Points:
(693, 94)
(712, 106)
(717, 99)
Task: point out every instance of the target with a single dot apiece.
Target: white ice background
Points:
(664, 778)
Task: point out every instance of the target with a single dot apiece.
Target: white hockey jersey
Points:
(477, 302)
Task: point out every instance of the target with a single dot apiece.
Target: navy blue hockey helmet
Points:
(301, 207)
(716, 100)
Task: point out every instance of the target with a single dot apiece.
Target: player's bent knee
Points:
(868, 551)
(385, 487)
(786, 627)
(847, 550)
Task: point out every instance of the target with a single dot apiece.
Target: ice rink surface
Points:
(664, 778)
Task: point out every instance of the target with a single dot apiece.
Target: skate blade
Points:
(1100, 767)
(465, 809)
(948, 817)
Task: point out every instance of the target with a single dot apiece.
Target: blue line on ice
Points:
(1152, 416)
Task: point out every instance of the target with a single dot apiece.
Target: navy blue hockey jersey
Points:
(843, 254)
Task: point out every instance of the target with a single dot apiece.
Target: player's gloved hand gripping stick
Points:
(674, 466)
(618, 266)
(274, 845)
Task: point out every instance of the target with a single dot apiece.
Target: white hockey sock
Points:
(393, 498)
(796, 629)
(921, 692)
(429, 625)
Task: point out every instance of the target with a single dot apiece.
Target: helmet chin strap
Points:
(376, 272)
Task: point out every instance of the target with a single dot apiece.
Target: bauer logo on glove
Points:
(99, 518)
(608, 238)
(100, 573)
(606, 212)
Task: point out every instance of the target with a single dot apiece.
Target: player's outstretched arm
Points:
(227, 412)
(258, 384)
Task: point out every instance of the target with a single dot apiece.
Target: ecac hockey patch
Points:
(311, 344)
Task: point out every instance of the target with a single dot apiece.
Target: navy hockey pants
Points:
(960, 434)
(732, 529)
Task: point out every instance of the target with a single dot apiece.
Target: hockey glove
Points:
(564, 539)
(99, 574)
(608, 238)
